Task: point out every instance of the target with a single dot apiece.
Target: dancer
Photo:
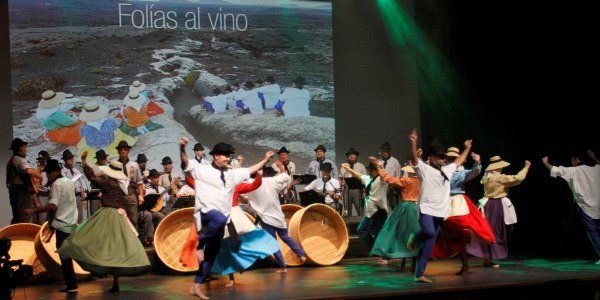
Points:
(107, 239)
(583, 181)
(404, 220)
(265, 201)
(214, 185)
(497, 209)
(375, 202)
(464, 218)
(69, 172)
(434, 200)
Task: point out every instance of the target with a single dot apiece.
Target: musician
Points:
(149, 219)
(315, 166)
(141, 160)
(353, 196)
(327, 186)
(288, 194)
(199, 154)
(18, 181)
(168, 176)
(69, 171)
(135, 190)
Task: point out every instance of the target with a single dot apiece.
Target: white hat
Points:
(137, 86)
(452, 152)
(496, 163)
(408, 169)
(114, 170)
(51, 99)
(93, 112)
(133, 99)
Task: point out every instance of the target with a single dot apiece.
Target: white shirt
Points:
(291, 166)
(330, 187)
(296, 102)
(150, 190)
(313, 168)
(584, 182)
(271, 94)
(377, 195)
(62, 194)
(219, 103)
(392, 167)
(211, 192)
(77, 177)
(265, 199)
(434, 197)
(251, 101)
(134, 173)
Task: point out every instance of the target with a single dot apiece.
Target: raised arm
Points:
(512, 180)
(593, 156)
(546, 162)
(355, 174)
(476, 170)
(183, 141)
(413, 138)
(463, 156)
(261, 163)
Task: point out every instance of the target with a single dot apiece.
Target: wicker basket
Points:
(170, 236)
(321, 232)
(289, 256)
(48, 257)
(22, 236)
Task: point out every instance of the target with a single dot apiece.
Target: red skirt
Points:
(458, 231)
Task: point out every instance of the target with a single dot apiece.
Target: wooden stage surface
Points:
(516, 279)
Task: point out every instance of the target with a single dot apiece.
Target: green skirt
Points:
(106, 241)
(392, 239)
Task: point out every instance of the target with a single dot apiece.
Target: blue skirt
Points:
(255, 245)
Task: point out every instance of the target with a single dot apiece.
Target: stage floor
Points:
(358, 279)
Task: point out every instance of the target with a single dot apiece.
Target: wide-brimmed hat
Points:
(114, 170)
(222, 148)
(123, 144)
(93, 111)
(67, 154)
(52, 165)
(153, 173)
(283, 150)
(16, 143)
(352, 151)
(166, 161)
(133, 99)
(408, 169)
(320, 147)
(141, 158)
(198, 147)
(51, 99)
(137, 86)
(452, 152)
(496, 163)
(386, 147)
(43, 155)
(101, 154)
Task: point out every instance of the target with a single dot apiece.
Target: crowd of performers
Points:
(416, 210)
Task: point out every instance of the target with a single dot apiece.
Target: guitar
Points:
(155, 202)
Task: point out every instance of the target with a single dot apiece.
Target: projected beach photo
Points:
(256, 74)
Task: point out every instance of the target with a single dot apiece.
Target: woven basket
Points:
(170, 236)
(321, 232)
(48, 257)
(289, 256)
(22, 236)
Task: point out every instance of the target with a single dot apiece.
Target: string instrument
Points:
(155, 202)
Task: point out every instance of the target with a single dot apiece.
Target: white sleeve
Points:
(311, 186)
(449, 169)
(240, 174)
(53, 199)
(365, 179)
(335, 183)
(192, 164)
(421, 169)
(282, 180)
(564, 172)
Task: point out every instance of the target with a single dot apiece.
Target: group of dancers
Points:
(224, 241)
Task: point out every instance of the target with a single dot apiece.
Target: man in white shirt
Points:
(329, 187)
(434, 199)
(168, 177)
(269, 92)
(294, 101)
(199, 154)
(217, 103)
(584, 182)
(248, 99)
(150, 219)
(214, 185)
(315, 166)
(69, 172)
(375, 200)
(265, 201)
(63, 205)
(288, 194)
(354, 195)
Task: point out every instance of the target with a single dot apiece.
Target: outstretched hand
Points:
(183, 141)
(476, 157)
(346, 166)
(527, 164)
(413, 136)
(269, 154)
(468, 144)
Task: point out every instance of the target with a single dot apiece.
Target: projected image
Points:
(257, 74)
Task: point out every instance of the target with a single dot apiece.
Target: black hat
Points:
(141, 158)
(43, 155)
(52, 165)
(16, 143)
(101, 154)
(153, 173)
(222, 148)
(166, 161)
(198, 147)
(283, 150)
(352, 151)
(67, 155)
(327, 167)
(123, 144)
(320, 147)
(386, 147)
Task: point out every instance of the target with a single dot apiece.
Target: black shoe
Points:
(69, 289)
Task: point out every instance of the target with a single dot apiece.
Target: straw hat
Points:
(114, 170)
(496, 163)
(133, 99)
(137, 86)
(93, 112)
(51, 99)
(452, 152)
(408, 169)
